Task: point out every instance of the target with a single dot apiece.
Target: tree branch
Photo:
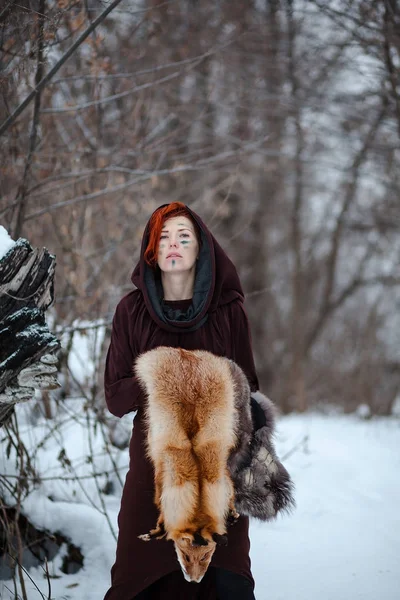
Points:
(42, 83)
(327, 303)
(199, 165)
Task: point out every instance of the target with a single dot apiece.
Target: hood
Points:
(216, 283)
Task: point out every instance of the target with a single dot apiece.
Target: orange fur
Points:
(191, 430)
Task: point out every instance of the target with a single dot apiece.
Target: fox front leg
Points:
(155, 534)
(233, 515)
(159, 532)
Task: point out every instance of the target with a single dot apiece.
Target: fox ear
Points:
(198, 540)
(220, 540)
(186, 538)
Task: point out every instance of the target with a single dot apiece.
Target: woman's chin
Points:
(176, 268)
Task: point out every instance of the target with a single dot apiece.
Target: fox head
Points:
(194, 558)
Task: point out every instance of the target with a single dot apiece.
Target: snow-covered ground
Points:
(341, 543)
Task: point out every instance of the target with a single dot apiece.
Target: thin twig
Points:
(20, 565)
(42, 83)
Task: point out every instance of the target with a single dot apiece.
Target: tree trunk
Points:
(26, 291)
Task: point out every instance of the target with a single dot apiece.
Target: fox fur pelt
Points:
(191, 431)
(262, 485)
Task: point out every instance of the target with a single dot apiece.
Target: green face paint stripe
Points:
(173, 262)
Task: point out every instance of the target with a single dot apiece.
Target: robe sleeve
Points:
(122, 391)
(242, 352)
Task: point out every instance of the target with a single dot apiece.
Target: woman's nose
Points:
(173, 242)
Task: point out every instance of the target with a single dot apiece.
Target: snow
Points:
(343, 540)
(5, 242)
(341, 543)
(85, 349)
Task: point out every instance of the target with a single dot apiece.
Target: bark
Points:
(26, 291)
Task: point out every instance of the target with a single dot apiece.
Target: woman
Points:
(188, 295)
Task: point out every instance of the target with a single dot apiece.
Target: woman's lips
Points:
(174, 255)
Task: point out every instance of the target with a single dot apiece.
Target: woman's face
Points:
(178, 247)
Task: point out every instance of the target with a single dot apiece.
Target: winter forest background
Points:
(278, 121)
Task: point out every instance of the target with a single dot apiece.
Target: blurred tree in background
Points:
(277, 120)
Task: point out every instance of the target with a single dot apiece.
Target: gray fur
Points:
(263, 486)
(244, 423)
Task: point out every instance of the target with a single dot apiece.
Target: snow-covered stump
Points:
(27, 361)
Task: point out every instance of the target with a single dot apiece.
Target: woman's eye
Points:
(184, 235)
(163, 237)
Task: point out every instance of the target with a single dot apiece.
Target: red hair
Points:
(158, 218)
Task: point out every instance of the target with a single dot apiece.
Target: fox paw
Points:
(233, 517)
(154, 534)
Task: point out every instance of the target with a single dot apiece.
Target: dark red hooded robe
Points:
(214, 320)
